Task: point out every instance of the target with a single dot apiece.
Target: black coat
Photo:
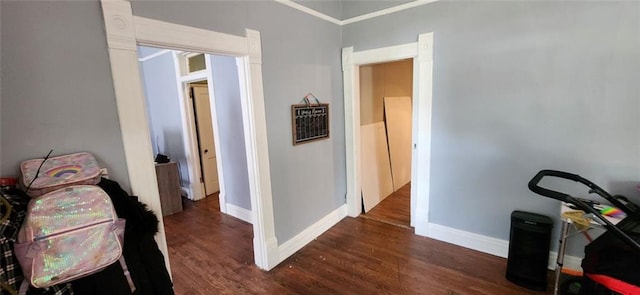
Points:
(141, 252)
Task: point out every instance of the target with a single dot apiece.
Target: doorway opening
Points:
(195, 116)
(422, 54)
(386, 91)
(124, 31)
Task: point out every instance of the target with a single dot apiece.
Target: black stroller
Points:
(611, 264)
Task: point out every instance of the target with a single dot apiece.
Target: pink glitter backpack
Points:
(40, 176)
(67, 234)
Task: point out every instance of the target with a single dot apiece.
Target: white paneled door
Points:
(205, 138)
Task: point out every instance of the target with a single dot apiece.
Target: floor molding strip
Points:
(296, 243)
(240, 213)
(490, 245)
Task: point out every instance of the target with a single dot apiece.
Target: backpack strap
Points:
(120, 226)
(24, 287)
(127, 274)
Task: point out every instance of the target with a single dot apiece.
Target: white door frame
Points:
(422, 54)
(196, 188)
(190, 139)
(124, 32)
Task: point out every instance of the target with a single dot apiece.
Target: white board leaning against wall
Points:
(377, 183)
(398, 118)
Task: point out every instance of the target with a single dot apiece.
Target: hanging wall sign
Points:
(310, 122)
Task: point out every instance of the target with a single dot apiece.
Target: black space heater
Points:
(529, 243)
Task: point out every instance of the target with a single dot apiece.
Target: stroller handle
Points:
(617, 201)
(533, 185)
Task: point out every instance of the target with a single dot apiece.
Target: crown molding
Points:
(309, 11)
(386, 11)
(367, 16)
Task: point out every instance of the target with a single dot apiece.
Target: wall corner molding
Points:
(240, 213)
(296, 243)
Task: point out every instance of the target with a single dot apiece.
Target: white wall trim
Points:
(309, 11)
(351, 91)
(222, 196)
(154, 33)
(192, 77)
(296, 243)
(385, 54)
(127, 84)
(386, 11)
(355, 19)
(240, 213)
(124, 32)
(422, 54)
(421, 153)
(489, 245)
(257, 151)
(190, 140)
(154, 55)
(469, 240)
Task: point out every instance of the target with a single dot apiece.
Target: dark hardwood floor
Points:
(394, 209)
(211, 253)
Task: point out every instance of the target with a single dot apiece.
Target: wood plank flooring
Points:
(211, 253)
(394, 209)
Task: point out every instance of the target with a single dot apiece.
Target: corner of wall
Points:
(296, 243)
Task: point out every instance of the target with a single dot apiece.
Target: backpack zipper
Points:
(36, 239)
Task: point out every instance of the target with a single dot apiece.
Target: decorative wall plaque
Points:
(310, 122)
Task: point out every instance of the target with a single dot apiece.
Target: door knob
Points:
(206, 151)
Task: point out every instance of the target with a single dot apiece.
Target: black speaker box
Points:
(529, 243)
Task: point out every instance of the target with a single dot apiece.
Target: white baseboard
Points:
(186, 192)
(570, 262)
(240, 213)
(309, 234)
(469, 240)
(489, 245)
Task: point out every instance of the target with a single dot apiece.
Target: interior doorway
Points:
(422, 54)
(123, 32)
(195, 116)
(386, 91)
(184, 109)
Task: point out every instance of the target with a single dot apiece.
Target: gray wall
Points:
(519, 87)
(231, 130)
(163, 110)
(301, 54)
(57, 91)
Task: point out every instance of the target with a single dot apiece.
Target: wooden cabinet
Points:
(169, 188)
